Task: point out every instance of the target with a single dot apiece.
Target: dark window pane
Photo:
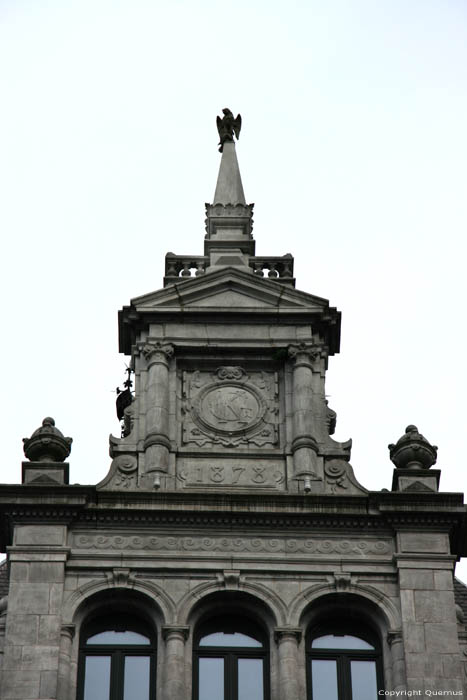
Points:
(136, 679)
(364, 685)
(336, 641)
(324, 679)
(228, 639)
(112, 637)
(97, 678)
(211, 679)
(250, 679)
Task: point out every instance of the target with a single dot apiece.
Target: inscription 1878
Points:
(235, 474)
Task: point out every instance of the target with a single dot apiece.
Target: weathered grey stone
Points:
(40, 534)
(441, 637)
(421, 579)
(12, 657)
(434, 606)
(424, 542)
(443, 580)
(22, 629)
(45, 572)
(415, 638)
(19, 571)
(20, 685)
(55, 598)
(49, 629)
(40, 658)
(29, 598)
(48, 684)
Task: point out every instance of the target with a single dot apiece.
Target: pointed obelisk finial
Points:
(229, 220)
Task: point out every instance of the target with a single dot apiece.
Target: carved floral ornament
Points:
(305, 351)
(151, 348)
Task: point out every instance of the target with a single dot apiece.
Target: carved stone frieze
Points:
(163, 543)
(230, 408)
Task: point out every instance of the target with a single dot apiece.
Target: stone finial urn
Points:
(413, 451)
(47, 444)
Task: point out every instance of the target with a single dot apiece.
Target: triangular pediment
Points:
(229, 290)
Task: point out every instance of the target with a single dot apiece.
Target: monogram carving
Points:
(163, 543)
(230, 408)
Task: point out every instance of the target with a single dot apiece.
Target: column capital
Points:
(394, 636)
(282, 634)
(155, 351)
(305, 353)
(175, 631)
(68, 631)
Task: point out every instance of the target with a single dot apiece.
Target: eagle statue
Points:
(227, 127)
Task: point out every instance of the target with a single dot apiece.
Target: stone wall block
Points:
(452, 666)
(19, 571)
(415, 638)
(407, 605)
(40, 535)
(421, 579)
(22, 629)
(434, 606)
(40, 658)
(55, 598)
(46, 572)
(12, 658)
(29, 598)
(48, 684)
(441, 637)
(18, 685)
(443, 580)
(416, 663)
(49, 629)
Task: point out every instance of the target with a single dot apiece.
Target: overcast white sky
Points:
(353, 148)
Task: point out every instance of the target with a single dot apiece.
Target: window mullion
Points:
(116, 678)
(231, 677)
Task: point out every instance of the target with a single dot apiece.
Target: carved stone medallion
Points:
(230, 407)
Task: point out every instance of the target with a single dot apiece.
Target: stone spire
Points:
(229, 188)
(229, 219)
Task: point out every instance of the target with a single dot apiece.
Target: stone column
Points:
(304, 445)
(157, 442)
(174, 687)
(64, 658)
(396, 642)
(287, 639)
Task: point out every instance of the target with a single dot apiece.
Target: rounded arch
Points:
(258, 601)
(146, 596)
(371, 603)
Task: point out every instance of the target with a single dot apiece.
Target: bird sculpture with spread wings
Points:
(227, 127)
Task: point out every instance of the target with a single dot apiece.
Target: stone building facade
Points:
(230, 552)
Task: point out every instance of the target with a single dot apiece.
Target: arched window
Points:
(231, 660)
(117, 659)
(344, 663)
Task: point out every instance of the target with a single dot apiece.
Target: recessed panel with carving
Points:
(230, 407)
